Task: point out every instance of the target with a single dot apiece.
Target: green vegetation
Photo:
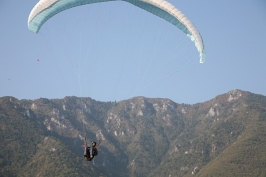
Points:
(225, 136)
(245, 157)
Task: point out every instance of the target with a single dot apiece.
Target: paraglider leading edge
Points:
(45, 9)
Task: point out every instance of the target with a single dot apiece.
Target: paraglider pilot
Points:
(90, 152)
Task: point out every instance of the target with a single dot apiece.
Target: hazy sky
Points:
(114, 51)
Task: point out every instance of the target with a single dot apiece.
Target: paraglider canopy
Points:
(45, 9)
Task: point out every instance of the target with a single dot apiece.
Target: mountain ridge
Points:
(142, 136)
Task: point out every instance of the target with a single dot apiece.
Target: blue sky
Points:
(115, 51)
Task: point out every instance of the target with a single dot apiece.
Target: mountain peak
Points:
(143, 136)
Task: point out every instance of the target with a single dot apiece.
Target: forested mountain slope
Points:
(142, 136)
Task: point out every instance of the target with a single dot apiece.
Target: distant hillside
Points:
(142, 137)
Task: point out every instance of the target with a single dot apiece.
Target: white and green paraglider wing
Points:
(45, 9)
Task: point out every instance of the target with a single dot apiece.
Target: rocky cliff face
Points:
(142, 136)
